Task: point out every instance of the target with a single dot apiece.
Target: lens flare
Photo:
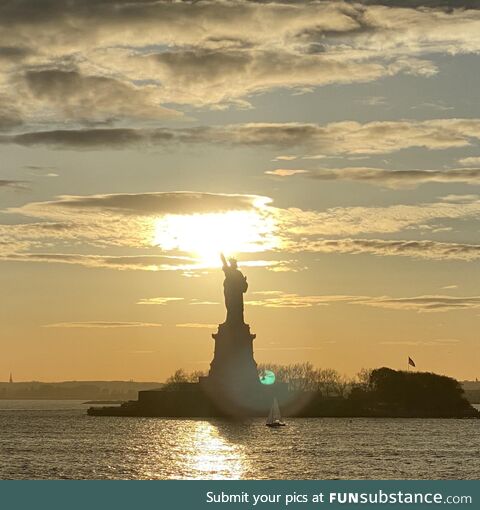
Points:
(267, 377)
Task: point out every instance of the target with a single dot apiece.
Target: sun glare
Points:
(204, 236)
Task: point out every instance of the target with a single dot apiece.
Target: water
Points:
(56, 439)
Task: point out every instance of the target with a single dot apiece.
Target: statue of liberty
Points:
(234, 286)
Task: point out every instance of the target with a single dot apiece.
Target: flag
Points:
(411, 362)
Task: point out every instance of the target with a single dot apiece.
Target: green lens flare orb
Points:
(267, 377)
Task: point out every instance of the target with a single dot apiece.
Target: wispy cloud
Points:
(470, 161)
(103, 324)
(430, 250)
(140, 204)
(14, 184)
(433, 105)
(285, 172)
(285, 157)
(196, 325)
(347, 137)
(373, 101)
(386, 178)
(41, 171)
(280, 299)
(424, 303)
(158, 300)
(439, 342)
(295, 348)
(427, 303)
(142, 263)
(461, 199)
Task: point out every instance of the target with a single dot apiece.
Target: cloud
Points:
(427, 303)
(373, 101)
(137, 222)
(158, 300)
(211, 53)
(130, 262)
(103, 324)
(346, 137)
(205, 58)
(426, 249)
(439, 342)
(286, 157)
(278, 299)
(226, 75)
(461, 199)
(387, 178)
(304, 229)
(78, 138)
(293, 348)
(149, 204)
(446, 4)
(10, 116)
(200, 302)
(434, 105)
(14, 53)
(10, 183)
(285, 172)
(70, 95)
(470, 161)
(197, 325)
(161, 225)
(424, 303)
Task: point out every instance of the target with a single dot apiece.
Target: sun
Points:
(205, 235)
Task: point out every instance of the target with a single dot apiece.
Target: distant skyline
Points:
(332, 147)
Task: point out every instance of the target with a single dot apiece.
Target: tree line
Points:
(297, 376)
(372, 392)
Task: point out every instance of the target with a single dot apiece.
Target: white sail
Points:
(274, 414)
(270, 416)
(276, 411)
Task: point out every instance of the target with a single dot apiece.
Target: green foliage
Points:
(423, 393)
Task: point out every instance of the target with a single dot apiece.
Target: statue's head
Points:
(233, 263)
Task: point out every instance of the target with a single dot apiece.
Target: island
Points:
(233, 387)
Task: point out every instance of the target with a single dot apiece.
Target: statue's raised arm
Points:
(224, 260)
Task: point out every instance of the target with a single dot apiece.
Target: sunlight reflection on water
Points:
(58, 440)
(209, 455)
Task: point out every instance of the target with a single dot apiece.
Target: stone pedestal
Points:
(233, 381)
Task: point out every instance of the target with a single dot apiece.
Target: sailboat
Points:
(274, 417)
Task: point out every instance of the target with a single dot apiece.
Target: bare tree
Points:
(363, 378)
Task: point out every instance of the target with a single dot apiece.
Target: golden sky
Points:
(333, 147)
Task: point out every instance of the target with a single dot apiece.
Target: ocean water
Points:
(56, 439)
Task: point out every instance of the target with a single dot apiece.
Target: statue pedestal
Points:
(233, 382)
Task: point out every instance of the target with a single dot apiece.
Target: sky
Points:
(332, 147)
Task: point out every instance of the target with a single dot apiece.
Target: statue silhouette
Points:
(234, 286)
